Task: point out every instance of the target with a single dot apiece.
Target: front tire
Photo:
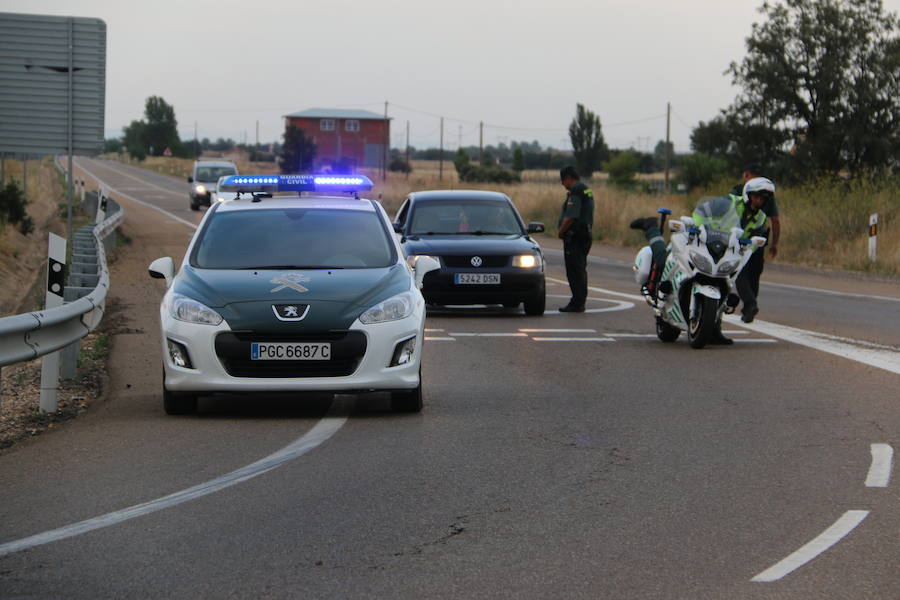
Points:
(408, 401)
(702, 325)
(535, 306)
(665, 332)
(194, 204)
(178, 404)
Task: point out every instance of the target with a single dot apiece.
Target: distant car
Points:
(299, 293)
(203, 180)
(485, 250)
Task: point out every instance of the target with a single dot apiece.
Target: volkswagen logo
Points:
(476, 261)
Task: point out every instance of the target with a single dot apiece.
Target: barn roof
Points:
(335, 113)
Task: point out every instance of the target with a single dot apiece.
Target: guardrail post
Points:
(873, 236)
(55, 289)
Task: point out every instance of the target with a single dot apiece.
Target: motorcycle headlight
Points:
(393, 309)
(200, 189)
(526, 261)
(190, 311)
(702, 263)
(728, 266)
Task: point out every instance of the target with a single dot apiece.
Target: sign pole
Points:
(873, 236)
(56, 250)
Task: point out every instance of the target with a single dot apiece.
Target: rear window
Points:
(212, 174)
(301, 238)
(464, 216)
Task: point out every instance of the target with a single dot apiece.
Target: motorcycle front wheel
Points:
(703, 321)
(666, 332)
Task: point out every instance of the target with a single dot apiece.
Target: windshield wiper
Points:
(481, 232)
(432, 233)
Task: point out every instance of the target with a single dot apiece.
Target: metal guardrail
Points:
(30, 335)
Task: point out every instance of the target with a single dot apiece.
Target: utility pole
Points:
(257, 132)
(196, 145)
(481, 143)
(441, 155)
(407, 149)
(459, 144)
(387, 143)
(668, 128)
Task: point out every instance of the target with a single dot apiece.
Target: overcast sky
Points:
(519, 66)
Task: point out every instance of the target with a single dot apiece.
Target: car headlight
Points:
(394, 308)
(412, 258)
(527, 261)
(200, 189)
(190, 311)
(702, 263)
(728, 266)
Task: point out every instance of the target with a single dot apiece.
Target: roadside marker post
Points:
(56, 263)
(873, 236)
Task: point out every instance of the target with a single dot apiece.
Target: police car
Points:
(304, 292)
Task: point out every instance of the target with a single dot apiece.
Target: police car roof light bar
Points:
(252, 184)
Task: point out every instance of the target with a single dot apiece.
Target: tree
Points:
(622, 168)
(518, 160)
(702, 169)
(133, 140)
(12, 208)
(161, 130)
(659, 155)
(461, 161)
(820, 87)
(586, 135)
(298, 152)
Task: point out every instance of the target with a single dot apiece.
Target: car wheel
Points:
(409, 401)
(178, 404)
(534, 307)
(194, 205)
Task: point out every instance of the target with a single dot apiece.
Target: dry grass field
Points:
(823, 225)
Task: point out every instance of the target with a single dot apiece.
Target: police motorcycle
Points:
(697, 282)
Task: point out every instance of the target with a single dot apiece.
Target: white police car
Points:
(292, 293)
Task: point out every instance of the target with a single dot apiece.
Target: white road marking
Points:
(631, 335)
(828, 538)
(465, 334)
(734, 331)
(570, 339)
(432, 330)
(756, 341)
(142, 181)
(875, 355)
(141, 202)
(880, 469)
(324, 429)
(439, 339)
(559, 330)
(617, 305)
(831, 292)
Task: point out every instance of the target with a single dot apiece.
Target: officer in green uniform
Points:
(575, 225)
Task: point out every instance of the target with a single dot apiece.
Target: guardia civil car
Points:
(296, 285)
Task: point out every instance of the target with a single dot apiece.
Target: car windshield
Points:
(464, 217)
(212, 174)
(296, 238)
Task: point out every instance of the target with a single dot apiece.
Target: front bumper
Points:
(372, 372)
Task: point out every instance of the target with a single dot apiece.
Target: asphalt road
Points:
(567, 456)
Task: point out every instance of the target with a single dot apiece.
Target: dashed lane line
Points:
(571, 339)
(880, 469)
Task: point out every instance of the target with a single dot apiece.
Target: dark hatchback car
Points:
(486, 252)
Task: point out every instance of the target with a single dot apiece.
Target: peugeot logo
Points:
(476, 261)
(290, 312)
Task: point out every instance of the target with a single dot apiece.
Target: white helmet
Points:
(759, 185)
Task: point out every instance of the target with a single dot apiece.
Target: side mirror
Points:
(190, 179)
(676, 226)
(162, 268)
(758, 241)
(688, 221)
(535, 228)
(398, 227)
(424, 264)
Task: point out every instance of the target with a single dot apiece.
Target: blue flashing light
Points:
(295, 183)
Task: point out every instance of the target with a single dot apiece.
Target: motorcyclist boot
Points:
(719, 339)
(644, 224)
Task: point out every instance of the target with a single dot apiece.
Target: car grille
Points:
(347, 350)
(465, 261)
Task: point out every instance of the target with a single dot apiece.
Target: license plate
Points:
(477, 278)
(290, 351)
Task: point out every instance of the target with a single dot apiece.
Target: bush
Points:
(700, 170)
(399, 165)
(12, 208)
(490, 174)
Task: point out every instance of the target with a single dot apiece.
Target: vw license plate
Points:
(477, 278)
(290, 351)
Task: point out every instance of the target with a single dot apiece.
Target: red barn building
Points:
(351, 138)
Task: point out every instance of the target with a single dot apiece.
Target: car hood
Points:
(336, 297)
(441, 245)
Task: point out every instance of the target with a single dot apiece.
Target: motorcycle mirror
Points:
(676, 226)
(758, 241)
(688, 221)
